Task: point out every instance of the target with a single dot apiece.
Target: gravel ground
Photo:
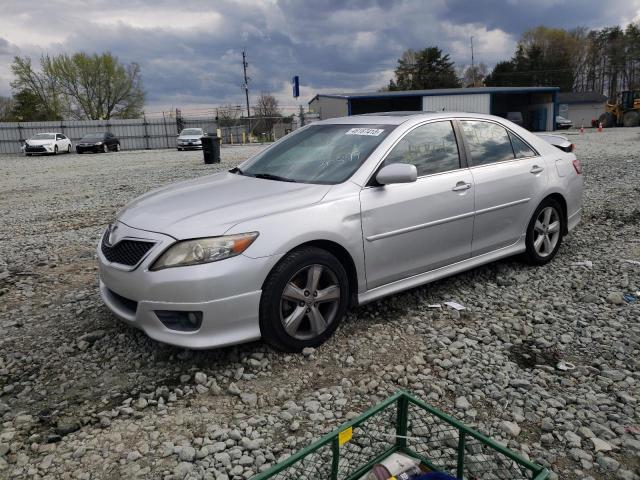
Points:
(84, 396)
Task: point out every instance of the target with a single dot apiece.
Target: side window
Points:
(488, 142)
(521, 149)
(432, 148)
(58, 137)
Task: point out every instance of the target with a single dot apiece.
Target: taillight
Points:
(577, 166)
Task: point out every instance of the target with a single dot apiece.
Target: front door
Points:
(411, 228)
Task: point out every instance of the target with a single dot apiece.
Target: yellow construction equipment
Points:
(625, 112)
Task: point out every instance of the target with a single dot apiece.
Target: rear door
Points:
(509, 178)
(414, 227)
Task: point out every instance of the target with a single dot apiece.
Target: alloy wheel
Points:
(310, 302)
(546, 231)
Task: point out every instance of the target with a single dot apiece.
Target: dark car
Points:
(98, 142)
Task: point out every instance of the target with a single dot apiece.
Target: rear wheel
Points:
(607, 120)
(304, 299)
(544, 233)
(631, 119)
(69, 148)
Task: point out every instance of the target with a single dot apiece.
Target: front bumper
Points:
(226, 292)
(192, 146)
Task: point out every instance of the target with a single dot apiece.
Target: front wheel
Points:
(117, 147)
(55, 150)
(304, 299)
(69, 148)
(105, 148)
(544, 233)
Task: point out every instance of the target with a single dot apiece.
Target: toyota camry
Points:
(337, 214)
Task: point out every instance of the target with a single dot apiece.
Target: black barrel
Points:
(211, 149)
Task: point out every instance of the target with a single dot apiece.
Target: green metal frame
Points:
(402, 400)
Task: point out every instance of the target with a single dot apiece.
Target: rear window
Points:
(521, 149)
(488, 142)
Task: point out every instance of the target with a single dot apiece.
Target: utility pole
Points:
(246, 81)
(473, 67)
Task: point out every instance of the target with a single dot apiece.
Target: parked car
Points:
(338, 213)
(563, 123)
(190, 138)
(98, 142)
(51, 143)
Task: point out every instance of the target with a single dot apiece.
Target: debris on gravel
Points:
(84, 396)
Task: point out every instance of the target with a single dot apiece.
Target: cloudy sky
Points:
(190, 51)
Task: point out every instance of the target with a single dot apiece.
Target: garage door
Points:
(472, 103)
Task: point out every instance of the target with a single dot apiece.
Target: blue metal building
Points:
(537, 105)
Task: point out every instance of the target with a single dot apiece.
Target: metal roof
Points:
(581, 97)
(437, 91)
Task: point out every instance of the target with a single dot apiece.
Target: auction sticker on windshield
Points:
(372, 132)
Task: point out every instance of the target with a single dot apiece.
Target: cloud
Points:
(190, 54)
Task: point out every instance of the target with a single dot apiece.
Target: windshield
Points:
(326, 154)
(191, 131)
(93, 136)
(43, 136)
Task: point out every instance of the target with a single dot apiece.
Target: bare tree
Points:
(228, 114)
(473, 76)
(266, 112)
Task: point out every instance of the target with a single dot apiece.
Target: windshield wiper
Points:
(236, 170)
(268, 176)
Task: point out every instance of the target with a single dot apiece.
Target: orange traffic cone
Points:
(600, 128)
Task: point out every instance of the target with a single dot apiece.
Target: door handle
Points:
(460, 186)
(536, 169)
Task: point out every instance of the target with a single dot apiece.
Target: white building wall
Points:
(472, 103)
(328, 107)
(582, 113)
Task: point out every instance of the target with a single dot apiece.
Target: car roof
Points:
(397, 118)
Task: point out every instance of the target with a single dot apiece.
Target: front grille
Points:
(35, 148)
(125, 252)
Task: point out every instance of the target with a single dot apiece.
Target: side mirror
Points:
(397, 173)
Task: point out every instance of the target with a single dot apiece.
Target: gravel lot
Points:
(84, 396)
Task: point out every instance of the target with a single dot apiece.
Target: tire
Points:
(117, 147)
(69, 148)
(55, 150)
(28, 154)
(312, 322)
(631, 118)
(607, 119)
(105, 148)
(540, 250)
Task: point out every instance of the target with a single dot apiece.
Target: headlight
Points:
(98, 143)
(204, 250)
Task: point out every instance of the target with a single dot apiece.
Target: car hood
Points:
(211, 205)
(189, 137)
(40, 142)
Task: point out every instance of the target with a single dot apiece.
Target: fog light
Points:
(180, 321)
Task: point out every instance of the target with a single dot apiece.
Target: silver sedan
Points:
(336, 214)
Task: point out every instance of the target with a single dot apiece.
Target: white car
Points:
(190, 138)
(53, 143)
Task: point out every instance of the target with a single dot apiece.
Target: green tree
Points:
(6, 105)
(27, 107)
(424, 69)
(82, 86)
